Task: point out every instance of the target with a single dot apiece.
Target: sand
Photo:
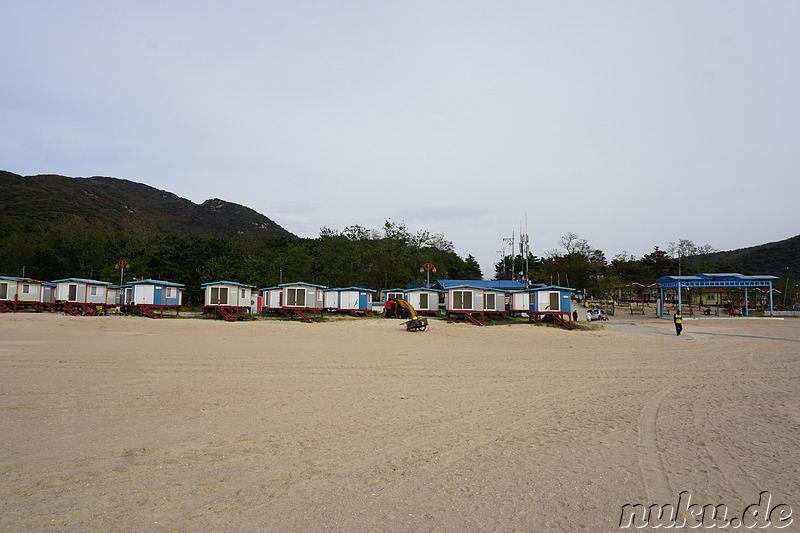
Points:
(133, 424)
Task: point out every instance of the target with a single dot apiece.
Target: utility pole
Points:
(510, 241)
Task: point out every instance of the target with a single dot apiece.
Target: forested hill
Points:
(30, 202)
(779, 258)
(55, 227)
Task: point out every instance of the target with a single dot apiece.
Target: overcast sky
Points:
(630, 123)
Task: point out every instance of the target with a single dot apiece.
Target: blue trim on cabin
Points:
(79, 280)
(494, 284)
(552, 288)
(157, 282)
(716, 280)
(564, 299)
(228, 283)
(302, 283)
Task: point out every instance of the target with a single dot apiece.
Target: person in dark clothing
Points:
(575, 315)
(678, 319)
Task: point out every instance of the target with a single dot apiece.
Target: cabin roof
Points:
(502, 284)
(302, 283)
(727, 279)
(81, 280)
(553, 287)
(156, 282)
(228, 283)
(361, 289)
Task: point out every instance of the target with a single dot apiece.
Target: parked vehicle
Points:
(595, 314)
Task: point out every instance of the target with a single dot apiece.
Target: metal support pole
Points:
(746, 305)
(770, 299)
(680, 304)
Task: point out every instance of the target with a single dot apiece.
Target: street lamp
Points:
(428, 267)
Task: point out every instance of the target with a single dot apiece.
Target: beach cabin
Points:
(113, 296)
(19, 292)
(77, 296)
(394, 294)
(226, 299)
(519, 301)
(271, 299)
(554, 302)
(151, 297)
(47, 297)
(424, 301)
(301, 299)
(473, 302)
(356, 301)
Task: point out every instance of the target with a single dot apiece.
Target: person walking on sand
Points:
(678, 319)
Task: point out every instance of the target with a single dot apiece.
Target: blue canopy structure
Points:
(727, 280)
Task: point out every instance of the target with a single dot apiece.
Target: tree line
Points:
(575, 263)
(388, 257)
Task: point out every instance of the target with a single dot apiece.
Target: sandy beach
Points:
(355, 425)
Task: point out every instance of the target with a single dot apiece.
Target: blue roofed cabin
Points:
(80, 296)
(151, 297)
(19, 292)
(521, 301)
(352, 300)
(551, 299)
(156, 293)
(393, 294)
(300, 299)
(226, 299)
(271, 299)
(474, 302)
(424, 301)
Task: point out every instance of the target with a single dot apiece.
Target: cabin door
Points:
(72, 293)
(158, 293)
(362, 302)
(3, 291)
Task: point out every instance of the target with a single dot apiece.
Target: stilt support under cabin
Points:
(155, 311)
(475, 317)
(229, 313)
(302, 313)
(560, 318)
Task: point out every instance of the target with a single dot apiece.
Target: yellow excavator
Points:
(399, 308)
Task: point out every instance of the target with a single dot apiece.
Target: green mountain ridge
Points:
(29, 202)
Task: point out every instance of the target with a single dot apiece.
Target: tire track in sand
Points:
(651, 462)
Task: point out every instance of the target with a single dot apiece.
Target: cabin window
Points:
(555, 301)
(3, 291)
(395, 296)
(219, 295)
(244, 294)
(296, 297)
(26, 289)
(489, 301)
(170, 292)
(462, 299)
(93, 291)
(423, 300)
(72, 293)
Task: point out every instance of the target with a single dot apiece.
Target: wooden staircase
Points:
(146, 310)
(302, 315)
(71, 309)
(558, 319)
(4, 308)
(472, 319)
(227, 315)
